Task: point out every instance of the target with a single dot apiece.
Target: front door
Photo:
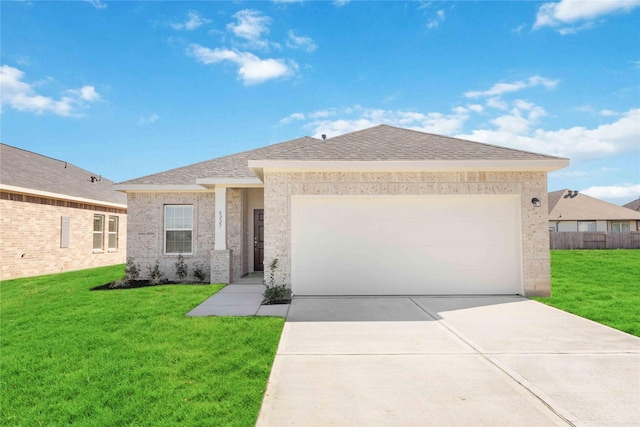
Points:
(258, 240)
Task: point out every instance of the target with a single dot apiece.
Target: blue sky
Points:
(125, 89)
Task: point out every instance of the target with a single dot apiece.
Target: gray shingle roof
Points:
(634, 205)
(379, 143)
(563, 206)
(231, 166)
(25, 169)
(384, 142)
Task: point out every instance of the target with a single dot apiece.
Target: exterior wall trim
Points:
(260, 166)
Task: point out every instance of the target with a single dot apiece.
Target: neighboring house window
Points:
(98, 231)
(64, 231)
(619, 226)
(586, 226)
(178, 229)
(113, 232)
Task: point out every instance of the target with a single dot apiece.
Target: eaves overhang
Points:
(51, 195)
(229, 182)
(547, 165)
(146, 188)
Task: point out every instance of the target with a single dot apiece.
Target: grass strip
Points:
(601, 285)
(70, 356)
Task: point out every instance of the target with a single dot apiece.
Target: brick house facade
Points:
(57, 219)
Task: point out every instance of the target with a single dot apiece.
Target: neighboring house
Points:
(634, 205)
(380, 211)
(56, 217)
(573, 211)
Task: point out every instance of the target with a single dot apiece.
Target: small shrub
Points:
(155, 274)
(198, 272)
(274, 293)
(120, 284)
(182, 269)
(132, 270)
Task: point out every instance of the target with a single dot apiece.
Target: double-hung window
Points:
(98, 232)
(178, 229)
(619, 226)
(586, 226)
(113, 233)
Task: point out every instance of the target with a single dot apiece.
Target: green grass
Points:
(601, 285)
(70, 356)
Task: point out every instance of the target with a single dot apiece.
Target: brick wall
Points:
(280, 186)
(30, 235)
(146, 230)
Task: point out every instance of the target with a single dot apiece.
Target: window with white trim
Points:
(113, 233)
(619, 226)
(98, 232)
(178, 229)
(586, 226)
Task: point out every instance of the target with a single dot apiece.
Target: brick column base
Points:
(221, 266)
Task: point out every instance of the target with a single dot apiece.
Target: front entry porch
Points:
(238, 254)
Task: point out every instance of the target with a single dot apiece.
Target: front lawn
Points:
(126, 357)
(601, 285)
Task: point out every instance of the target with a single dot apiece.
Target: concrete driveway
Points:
(449, 361)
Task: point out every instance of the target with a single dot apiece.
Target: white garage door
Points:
(413, 245)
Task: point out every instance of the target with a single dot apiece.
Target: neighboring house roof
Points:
(378, 144)
(567, 205)
(28, 172)
(635, 205)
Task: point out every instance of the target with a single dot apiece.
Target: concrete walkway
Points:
(242, 298)
(457, 361)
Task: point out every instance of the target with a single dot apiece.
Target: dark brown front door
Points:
(258, 240)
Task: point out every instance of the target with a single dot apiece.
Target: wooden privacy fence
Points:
(594, 240)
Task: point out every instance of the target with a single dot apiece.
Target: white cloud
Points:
(87, 93)
(251, 25)
(568, 12)
(22, 96)
(252, 70)
(502, 88)
(293, 117)
(319, 122)
(624, 191)
(149, 119)
(300, 42)
(577, 143)
(340, 3)
(98, 4)
(436, 20)
(194, 20)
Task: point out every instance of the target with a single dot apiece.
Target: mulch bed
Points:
(133, 284)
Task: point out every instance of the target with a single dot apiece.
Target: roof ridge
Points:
(467, 140)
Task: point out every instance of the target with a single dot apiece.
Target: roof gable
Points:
(22, 169)
(376, 146)
(567, 205)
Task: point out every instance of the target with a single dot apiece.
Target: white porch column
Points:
(221, 219)
(221, 256)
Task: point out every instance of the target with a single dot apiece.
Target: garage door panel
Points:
(405, 245)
